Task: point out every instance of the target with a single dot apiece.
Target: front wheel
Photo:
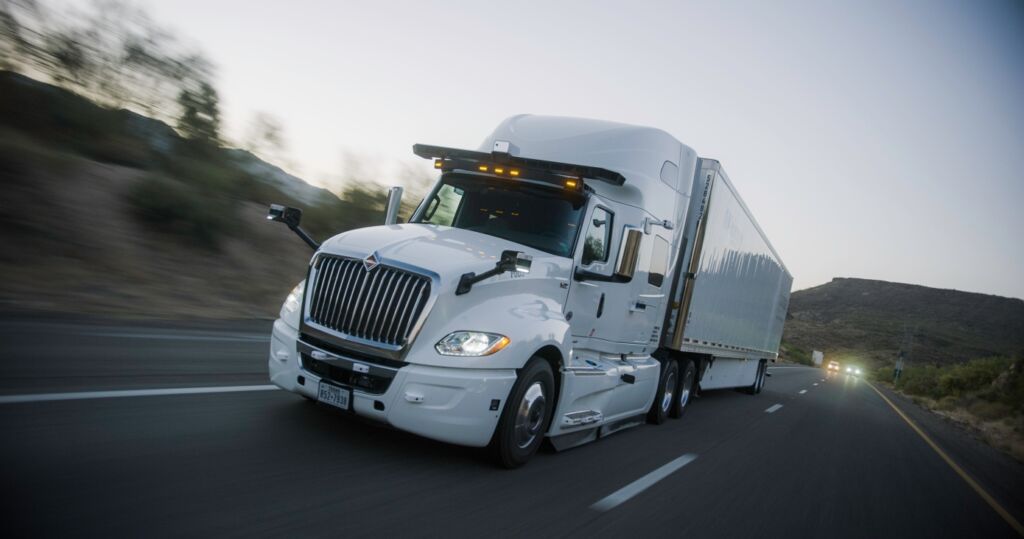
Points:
(526, 415)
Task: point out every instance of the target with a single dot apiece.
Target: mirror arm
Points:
(291, 217)
(304, 236)
(467, 280)
(509, 261)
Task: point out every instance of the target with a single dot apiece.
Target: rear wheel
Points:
(526, 415)
(755, 388)
(664, 399)
(687, 388)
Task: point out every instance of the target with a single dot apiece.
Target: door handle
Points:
(638, 307)
(600, 306)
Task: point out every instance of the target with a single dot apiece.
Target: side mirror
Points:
(510, 261)
(291, 217)
(629, 253)
(284, 214)
(393, 204)
(516, 261)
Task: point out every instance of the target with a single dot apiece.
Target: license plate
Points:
(334, 395)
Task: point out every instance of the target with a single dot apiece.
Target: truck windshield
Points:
(538, 217)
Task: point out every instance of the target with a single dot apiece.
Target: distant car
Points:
(833, 366)
(853, 370)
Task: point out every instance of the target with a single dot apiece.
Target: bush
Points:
(987, 387)
(177, 208)
(974, 375)
(920, 380)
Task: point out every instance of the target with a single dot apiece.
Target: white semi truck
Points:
(568, 279)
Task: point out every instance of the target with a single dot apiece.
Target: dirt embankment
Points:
(72, 243)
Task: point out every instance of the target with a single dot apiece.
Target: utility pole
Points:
(905, 347)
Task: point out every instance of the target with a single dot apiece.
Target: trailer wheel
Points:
(687, 388)
(526, 415)
(764, 375)
(664, 399)
(755, 388)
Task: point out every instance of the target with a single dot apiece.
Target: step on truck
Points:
(566, 280)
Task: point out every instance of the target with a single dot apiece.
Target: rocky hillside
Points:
(865, 320)
(106, 211)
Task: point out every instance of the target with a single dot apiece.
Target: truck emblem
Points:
(371, 261)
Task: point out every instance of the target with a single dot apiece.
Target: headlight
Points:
(849, 369)
(856, 371)
(471, 344)
(292, 305)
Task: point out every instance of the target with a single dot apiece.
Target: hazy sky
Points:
(882, 140)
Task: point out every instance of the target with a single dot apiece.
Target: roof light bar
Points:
(453, 158)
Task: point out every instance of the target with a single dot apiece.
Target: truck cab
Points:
(534, 293)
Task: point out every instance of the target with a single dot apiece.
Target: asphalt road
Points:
(831, 459)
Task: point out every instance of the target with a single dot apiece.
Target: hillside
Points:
(865, 320)
(106, 211)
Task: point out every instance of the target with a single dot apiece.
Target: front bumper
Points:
(446, 404)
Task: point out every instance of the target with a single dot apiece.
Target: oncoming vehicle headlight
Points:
(471, 344)
(849, 369)
(293, 304)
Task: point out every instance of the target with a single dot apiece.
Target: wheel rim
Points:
(684, 392)
(530, 415)
(670, 384)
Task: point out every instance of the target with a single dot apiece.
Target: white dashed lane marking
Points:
(616, 498)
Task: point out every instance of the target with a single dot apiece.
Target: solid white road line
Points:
(815, 383)
(636, 487)
(181, 337)
(773, 408)
(802, 391)
(46, 397)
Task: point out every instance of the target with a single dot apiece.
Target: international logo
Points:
(371, 261)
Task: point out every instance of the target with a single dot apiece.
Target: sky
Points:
(873, 139)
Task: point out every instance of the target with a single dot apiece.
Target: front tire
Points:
(526, 415)
(664, 399)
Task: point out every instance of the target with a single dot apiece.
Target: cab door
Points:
(597, 302)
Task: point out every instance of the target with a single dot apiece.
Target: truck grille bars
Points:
(380, 304)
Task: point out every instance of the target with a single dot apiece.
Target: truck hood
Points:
(444, 251)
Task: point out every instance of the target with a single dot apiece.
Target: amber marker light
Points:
(438, 163)
(571, 183)
(499, 170)
(513, 172)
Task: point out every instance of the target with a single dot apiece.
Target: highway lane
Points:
(833, 461)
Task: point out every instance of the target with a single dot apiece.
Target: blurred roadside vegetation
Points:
(122, 194)
(122, 82)
(990, 388)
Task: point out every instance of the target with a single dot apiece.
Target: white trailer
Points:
(568, 279)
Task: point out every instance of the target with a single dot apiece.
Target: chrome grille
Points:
(381, 305)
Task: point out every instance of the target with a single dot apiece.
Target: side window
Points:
(659, 262)
(442, 208)
(599, 237)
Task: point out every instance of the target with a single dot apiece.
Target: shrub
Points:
(177, 208)
(974, 375)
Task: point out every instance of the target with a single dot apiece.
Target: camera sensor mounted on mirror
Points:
(291, 217)
(510, 261)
